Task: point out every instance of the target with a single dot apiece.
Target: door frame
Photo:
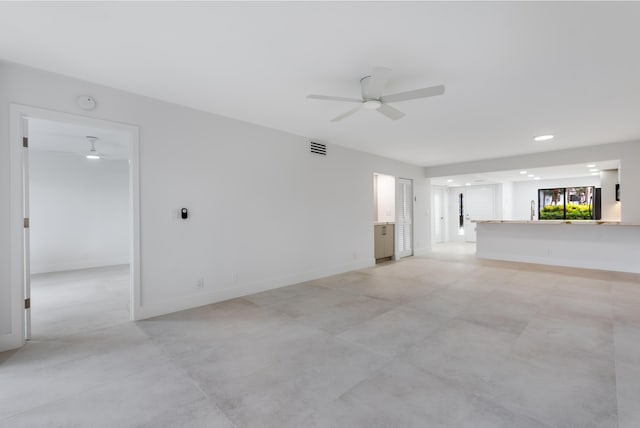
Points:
(18, 112)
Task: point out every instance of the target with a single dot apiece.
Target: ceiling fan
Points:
(372, 98)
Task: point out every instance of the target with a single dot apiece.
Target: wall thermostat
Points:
(86, 102)
(184, 213)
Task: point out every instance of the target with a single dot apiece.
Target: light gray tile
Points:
(401, 396)
(393, 331)
(628, 388)
(331, 310)
(463, 352)
(295, 385)
(557, 391)
(124, 401)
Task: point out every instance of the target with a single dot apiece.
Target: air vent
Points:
(318, 148)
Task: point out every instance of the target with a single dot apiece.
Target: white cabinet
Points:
(384, 241)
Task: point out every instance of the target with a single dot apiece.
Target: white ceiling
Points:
(46, 135)
(512, 70)
(546, 173)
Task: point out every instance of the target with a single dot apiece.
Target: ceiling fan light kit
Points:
(372, 99)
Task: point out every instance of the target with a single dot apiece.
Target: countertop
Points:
(553, 222)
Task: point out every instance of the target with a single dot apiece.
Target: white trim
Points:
(15, 338)
(180, 303)
(83, 264)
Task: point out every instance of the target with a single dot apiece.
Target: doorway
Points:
(479, 204)
(90, 278)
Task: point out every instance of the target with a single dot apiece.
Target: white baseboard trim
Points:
(84, 264)
(167, 306)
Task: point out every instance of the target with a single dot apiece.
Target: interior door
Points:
(26, 235)
(479, 204)
(404, 218)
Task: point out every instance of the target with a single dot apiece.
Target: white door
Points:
(404, 217)
(26, 237)
(438, 215)
(479, 203)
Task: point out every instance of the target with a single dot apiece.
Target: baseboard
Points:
(84, 264)
(167, 306)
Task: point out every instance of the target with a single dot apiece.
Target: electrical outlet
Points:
(200, 283)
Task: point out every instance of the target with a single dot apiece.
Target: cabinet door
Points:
(379, 242)
(389, 241)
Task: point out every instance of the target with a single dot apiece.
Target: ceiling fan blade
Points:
(412, 95)
(379, 80)
(332, 98)
(390, 112)
(347, 114)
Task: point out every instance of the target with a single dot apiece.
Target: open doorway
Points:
(79, 230)
(393, 217)
(75, 182)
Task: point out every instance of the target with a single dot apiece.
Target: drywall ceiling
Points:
(530, 174)
(46, 135)
(512, 70)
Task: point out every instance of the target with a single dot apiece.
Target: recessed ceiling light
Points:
(543, 137)
(595, 173)
(523, 172)
(536, 178)
(449, 181)
(593, 170)
(467, 184)
(591, 165)
(530, 175)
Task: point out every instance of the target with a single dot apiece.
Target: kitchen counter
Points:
(548, 222)
(590, 244)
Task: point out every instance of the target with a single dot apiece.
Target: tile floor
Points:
(443, 341)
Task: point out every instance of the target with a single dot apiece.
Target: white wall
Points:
(265, 212)
(507, 200)
(386, 198)
(628, 153)
(610, 207)
(526, 191)
(78, 211)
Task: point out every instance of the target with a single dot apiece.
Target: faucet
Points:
(533, 209)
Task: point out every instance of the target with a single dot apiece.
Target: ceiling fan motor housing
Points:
(364, 86)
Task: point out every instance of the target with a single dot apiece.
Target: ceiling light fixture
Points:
(595, 173)
(449, 181)
(467, 184)
(591, 165)
(543, 137)
(92, 154)
(523, 172)
(372, 104)
(536, 178)
(530, 175)
(593, 170)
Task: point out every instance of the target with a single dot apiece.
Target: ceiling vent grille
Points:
(318, 148)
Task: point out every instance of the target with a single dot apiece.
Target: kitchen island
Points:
(591, 244)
